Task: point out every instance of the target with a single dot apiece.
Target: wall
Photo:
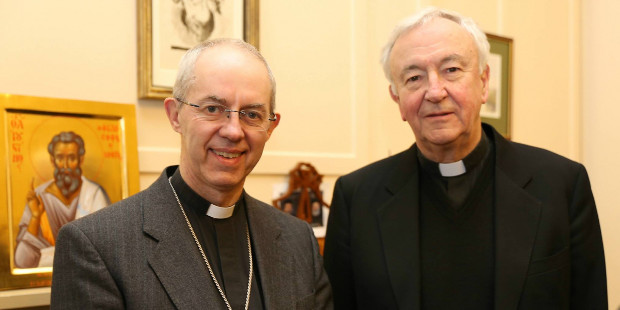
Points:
(601, 130)
(66, 49)
(331, 91)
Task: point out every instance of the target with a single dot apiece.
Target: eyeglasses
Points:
(251, 118)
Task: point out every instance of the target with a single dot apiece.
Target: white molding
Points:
(31, 297)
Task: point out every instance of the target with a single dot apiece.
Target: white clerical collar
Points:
(452, 169)
(217, 212)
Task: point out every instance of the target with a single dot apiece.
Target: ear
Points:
(81, 160)
(274, 124)
(394, 96)
(396, 99)
(486, 74)
(172, 110)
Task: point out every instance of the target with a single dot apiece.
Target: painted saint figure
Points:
(56, 202)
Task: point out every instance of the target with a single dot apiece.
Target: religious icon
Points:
(55, 202)
(317, 212)
(62, 159)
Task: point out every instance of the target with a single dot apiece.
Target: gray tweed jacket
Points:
(139, 254)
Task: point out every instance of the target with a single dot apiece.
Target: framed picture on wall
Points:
(168, 28)
(496, 111)
(62, 159)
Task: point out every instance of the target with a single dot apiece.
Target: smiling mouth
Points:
(226, 154)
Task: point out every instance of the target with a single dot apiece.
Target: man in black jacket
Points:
(464, 219)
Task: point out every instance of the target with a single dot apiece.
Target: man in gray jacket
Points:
(195, 239)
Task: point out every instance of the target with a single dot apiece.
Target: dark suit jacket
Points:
(139, 254)
(548, 251)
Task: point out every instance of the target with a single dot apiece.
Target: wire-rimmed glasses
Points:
(251, 118)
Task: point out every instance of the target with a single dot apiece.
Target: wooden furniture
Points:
(303, 189)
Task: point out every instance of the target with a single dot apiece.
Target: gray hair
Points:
(185, 75)
(423, 17)
(67, 137)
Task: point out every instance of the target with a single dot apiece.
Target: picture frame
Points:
(497, 110)
(166, 30)
(91, 146)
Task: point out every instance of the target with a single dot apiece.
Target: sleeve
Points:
(80, 278)
(29, 246)
(588, 282)
(28, 250)
(338, 251)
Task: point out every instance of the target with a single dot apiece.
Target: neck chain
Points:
(204, 257)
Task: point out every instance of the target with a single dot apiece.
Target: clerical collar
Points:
(452, 169)
(218, 212)
(196, 202)
(460, 167)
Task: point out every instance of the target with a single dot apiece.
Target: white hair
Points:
(423, 17)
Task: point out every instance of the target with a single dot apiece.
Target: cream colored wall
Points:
(69, 49)
(601, 130)
(357, 91)
(336, 112)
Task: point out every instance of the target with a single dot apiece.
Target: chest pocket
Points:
(550, 263)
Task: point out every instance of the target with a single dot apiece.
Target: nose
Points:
(436, 91)
(231, 128)
(62, 163)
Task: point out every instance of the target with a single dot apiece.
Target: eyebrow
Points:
(454, 57)
(213, 98)
(253, 106)
(223, 102)
(449, 58)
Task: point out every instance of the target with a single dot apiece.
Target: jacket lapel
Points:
(399, 226)
(517, 220)
(272, 265)
(516, 225)
(175, 258)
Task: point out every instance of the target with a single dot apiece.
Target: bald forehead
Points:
(228, 55)
(228, 50)
(224, 60)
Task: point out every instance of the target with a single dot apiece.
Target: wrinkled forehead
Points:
(435, 36)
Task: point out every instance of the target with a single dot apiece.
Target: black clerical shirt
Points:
(457, 233)
(225, 244)
(457, 188)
